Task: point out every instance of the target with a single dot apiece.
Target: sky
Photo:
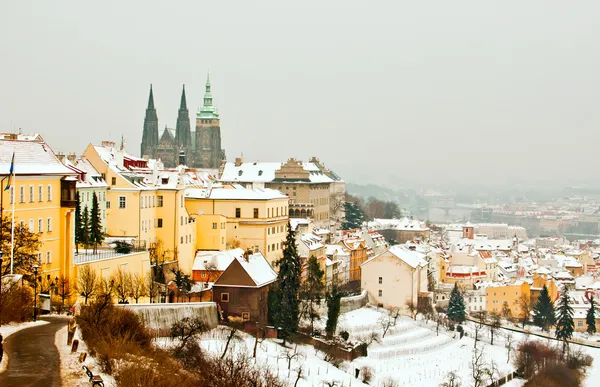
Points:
(388, 92)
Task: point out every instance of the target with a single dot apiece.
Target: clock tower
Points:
(208, 133)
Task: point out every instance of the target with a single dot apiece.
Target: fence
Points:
(88, 255)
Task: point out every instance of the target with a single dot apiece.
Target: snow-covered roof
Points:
(331, 250)
(411, 257)
(311, 241)
(404, 224)
(219, 259)
(92, 178)
(234, 192)
(258, 269)
(265, 172)
(32, 157)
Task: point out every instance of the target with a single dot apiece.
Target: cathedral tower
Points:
(150, 134)
(208, 152)
(183, 132)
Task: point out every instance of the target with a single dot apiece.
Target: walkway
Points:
(33, 359)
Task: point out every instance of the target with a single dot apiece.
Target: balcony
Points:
(67, 193)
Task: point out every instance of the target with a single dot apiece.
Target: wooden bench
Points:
(96, 380)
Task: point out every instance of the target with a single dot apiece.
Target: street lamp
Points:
(1, 255)
(35, 279)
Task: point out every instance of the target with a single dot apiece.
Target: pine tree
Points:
(564, 324)
(456, 305)
(85, 227)
(96, 234)
(288, 283)
(77, 221)
(544, 315)
(311, 291)
(333, 298)
(590, 317)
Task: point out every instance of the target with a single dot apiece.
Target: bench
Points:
(96, 380)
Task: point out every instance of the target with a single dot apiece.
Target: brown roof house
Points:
(243, 288)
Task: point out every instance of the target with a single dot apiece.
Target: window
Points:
(181, 201)
(224, 297)
(108, 204)
(203, 275)
(160, 201)
(31, 194)
(268, 248)
(21, 194)
(40, 193)
(159, 223)
(256, 213)
(214, 226)
(40, 225)
(579, 323)
(49, 194)
(22, 223)
(273, 247)
(31, 228)
(246, 315)
(269, 231)
(49, 225)
(122, 202)
(39, 258)
(49, 257)
(114, 181)
(238, 212)
(181, 240)
(380, 293)
(380, 280)
(181, 220)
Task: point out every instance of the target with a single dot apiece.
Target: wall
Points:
(159, 317)
(208, 238)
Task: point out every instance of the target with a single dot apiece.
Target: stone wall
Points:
(159, 317)
(347, 304)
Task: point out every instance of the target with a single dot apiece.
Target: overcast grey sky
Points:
(438, 91)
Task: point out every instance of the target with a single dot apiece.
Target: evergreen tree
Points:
(333, 298)
(78, 234)
(85, 227)
(288, 283)
(456, 305)
(590, 317)
(311, 291)
(96, 234)
(564, 323)
(274, 300)
(354, 216)
(544, 315)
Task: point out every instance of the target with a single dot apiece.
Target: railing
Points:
(87, 255)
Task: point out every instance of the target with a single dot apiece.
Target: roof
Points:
(220, 259)
(410, 257)
(404, 224)
(265, 172)
(92, 177)
(257, 268)
(234, 192)
(32, 157)
(311, 241)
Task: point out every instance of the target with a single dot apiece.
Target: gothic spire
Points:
(151, 99)
(150, 133)
(183, 103)
(207, 93)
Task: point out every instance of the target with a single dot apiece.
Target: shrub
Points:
(123, 247)
(344, 335)
(367, 374)
(17, 304)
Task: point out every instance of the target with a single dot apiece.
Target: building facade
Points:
(199, 148)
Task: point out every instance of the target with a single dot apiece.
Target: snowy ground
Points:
(7, 330)
(72, 372)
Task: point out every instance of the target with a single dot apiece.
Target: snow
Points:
(265, 172)
(31, 157)
(72, 372)
(7, 330)
(258, 269)
(234, 192)
(221, 259)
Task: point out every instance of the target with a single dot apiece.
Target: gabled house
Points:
(395, 277)
(242, 289)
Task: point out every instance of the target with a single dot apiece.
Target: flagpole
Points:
(12, 230)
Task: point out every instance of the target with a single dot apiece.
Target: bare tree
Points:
(451, 380)
(425, 308)
(395, 314)
(234, 325)
(482, 372)
(336, 202)
(330, 383)
(389, 382)
(87, 282)
(412, 309)
(495, 324)
(290, 355)
(479, 325)
(187, 328)
(257, 340)
(122, 284)
(152, 287)
(300, 374)
(524, 308)
(509, 340)
(64, 289)
(139, 287)
(369, 338)
(386, 323)
(211, 268)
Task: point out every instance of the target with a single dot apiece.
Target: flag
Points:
(11, 172)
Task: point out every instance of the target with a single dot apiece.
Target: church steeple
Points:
(207, 111)
(150, 133)
(207, 93)
(183, 132)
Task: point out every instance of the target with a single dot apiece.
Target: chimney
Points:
(72, 157)
(239, 161)
(61, 157)
(11, 136)
(108, 144)
(247, 254)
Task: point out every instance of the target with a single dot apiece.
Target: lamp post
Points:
(35, 279)
(1, 255)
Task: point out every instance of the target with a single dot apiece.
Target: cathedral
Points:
(197, 149)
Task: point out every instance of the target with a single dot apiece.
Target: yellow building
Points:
(43, 193)
(254, 218)
(539, 280)
(145, 202)
(497, 295)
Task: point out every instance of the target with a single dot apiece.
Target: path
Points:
(33, 359)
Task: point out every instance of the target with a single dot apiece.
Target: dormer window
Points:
(260, 173)
(240, 173)
(165, 180)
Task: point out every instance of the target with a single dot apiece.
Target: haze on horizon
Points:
(414, 92)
